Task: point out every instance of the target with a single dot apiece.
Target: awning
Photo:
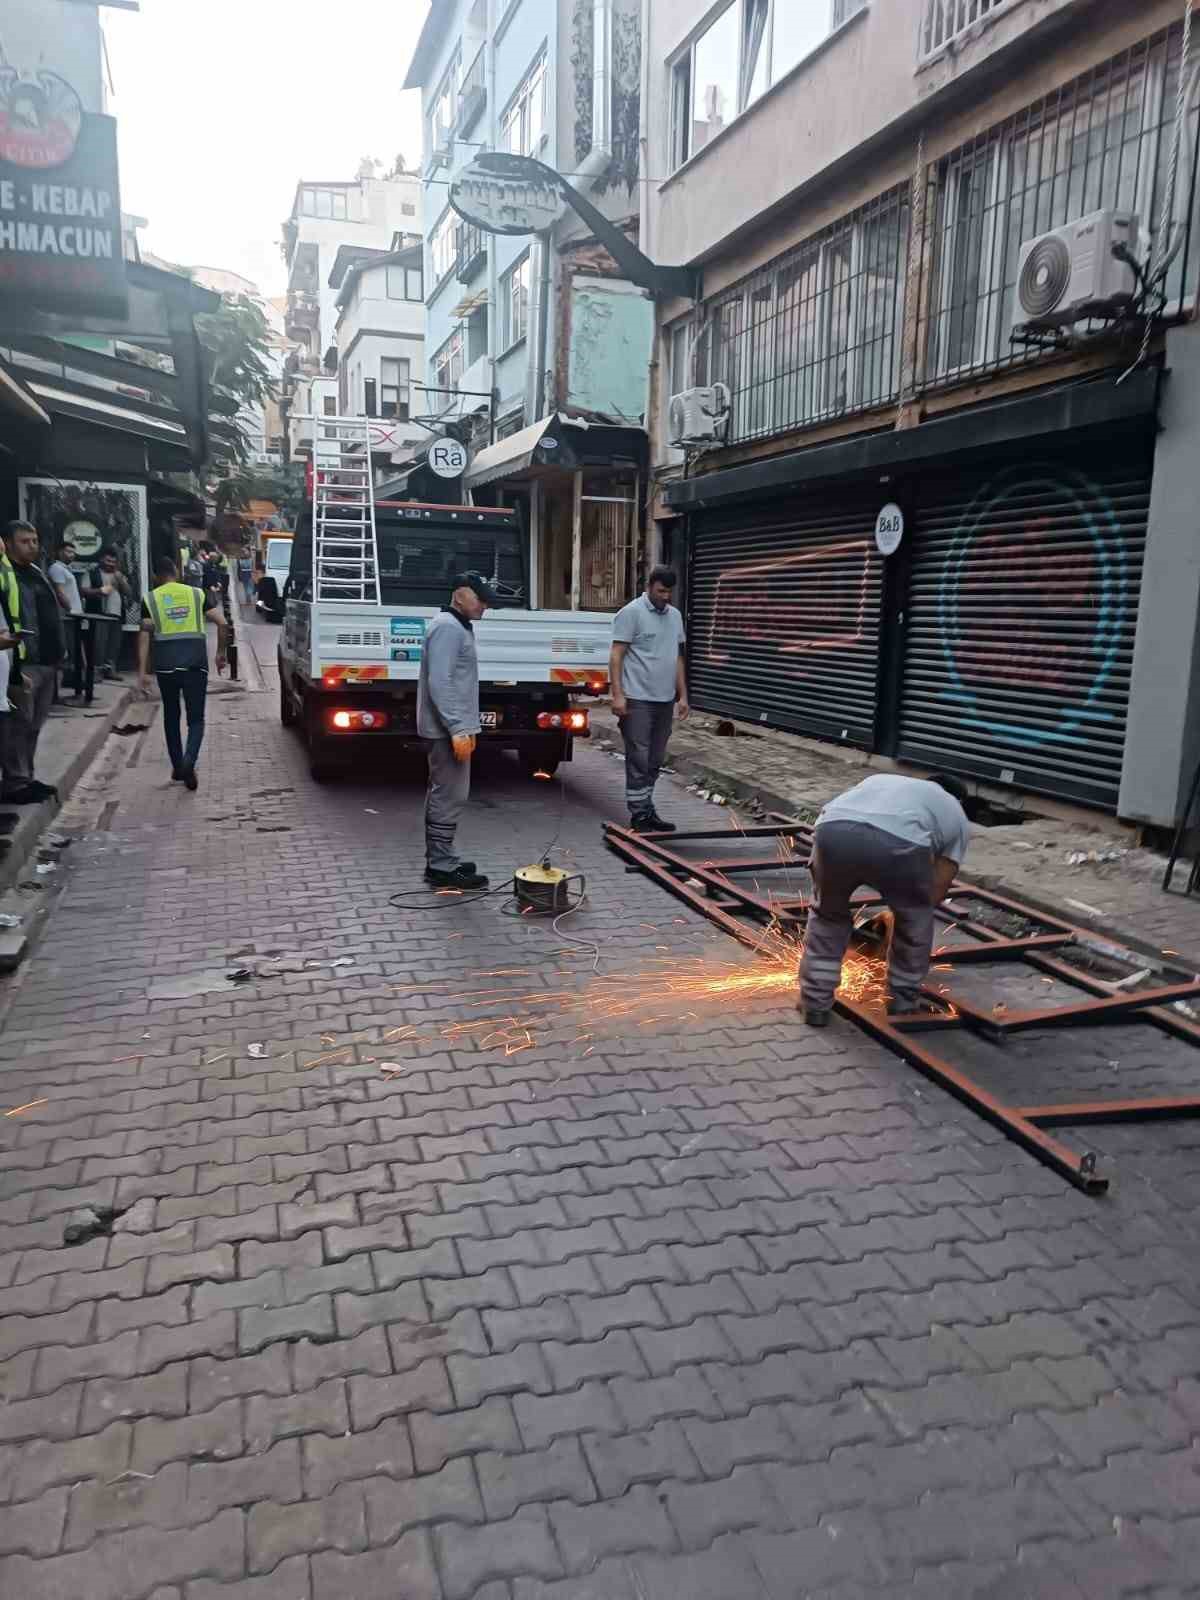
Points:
(17, 398)
(517, 453)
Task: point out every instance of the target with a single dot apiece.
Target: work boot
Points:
(176, 774)
(463, 876)
(814, 1018)
(661, 825)
(644, 822)
(189, 778)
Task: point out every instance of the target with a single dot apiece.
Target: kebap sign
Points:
(60, 204)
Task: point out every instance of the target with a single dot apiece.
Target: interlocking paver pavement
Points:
(707, 1307)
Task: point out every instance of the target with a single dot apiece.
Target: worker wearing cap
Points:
(904, 837)
(448, 721)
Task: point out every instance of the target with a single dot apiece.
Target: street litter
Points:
(44, 868)
(257, 1051)
(7, 920)
(1076, 858)
(56, 841)
(240, 975)
(370, 810)
(1082, 905)
(391, 1066)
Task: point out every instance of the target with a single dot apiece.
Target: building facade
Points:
(331, 222)
(856, 184)
(538, 349)
(380, 338)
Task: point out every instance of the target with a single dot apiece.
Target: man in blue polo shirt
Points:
(646, 668)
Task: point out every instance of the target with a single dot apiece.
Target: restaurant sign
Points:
(60, 205)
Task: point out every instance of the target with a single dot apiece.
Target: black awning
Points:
(1096, 403)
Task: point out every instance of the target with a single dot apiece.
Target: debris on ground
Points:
(1077, 858)
(84, 1223)
(257, 1052)
(240, 975)
(139, 1218)
(56, 841)
(8, 920)
(44, 868)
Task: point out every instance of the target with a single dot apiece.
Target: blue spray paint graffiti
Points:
(1107, 595)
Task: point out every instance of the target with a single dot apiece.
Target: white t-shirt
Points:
(62, 577)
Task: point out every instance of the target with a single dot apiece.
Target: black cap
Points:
(474, 581)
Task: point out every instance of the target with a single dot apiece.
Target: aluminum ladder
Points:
(345, 554)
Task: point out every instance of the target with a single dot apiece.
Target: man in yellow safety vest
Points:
(175, 618)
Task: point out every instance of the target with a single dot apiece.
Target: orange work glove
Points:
(464, 746)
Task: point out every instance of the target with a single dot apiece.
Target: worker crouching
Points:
(903, 837)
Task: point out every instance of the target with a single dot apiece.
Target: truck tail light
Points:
(357, 721)
(571, 721)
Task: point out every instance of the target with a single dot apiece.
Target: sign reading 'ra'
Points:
(60, 205)
(507, 194)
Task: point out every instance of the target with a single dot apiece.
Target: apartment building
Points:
(380, 339)
(331, 223)
(858, 185)
(539, 350)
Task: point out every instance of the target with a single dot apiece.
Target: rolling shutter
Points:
(783, 621)
(1021, 618)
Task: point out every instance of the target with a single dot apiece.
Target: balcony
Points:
(947, 23)
(303, 316)
(472, 253)
(472, 96)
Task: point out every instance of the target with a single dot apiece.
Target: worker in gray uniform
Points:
(903, 837)
(448, 721)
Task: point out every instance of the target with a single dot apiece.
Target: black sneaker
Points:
(463, 876)
(661, 825)
(176, 774)
(189, 778)
(645, 823)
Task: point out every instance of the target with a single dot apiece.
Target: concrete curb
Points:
(34, 820)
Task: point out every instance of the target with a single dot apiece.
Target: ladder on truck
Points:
(345, 555)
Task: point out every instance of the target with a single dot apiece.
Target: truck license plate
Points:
(489, 719)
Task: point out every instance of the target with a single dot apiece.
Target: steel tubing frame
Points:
(707, 886)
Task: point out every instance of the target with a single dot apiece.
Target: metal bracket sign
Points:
(509, 194)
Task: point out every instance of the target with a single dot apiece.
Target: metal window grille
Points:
(816, 333)
(947, 20)
(1102, 141)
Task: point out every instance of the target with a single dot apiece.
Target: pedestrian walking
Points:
(649, 689)
(448, 721)
(904, 838)
(106, 593)
(245, 570)
(34, 683)
(174, 634)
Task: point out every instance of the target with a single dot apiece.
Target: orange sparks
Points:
(28, 1106)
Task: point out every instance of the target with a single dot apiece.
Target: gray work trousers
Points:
(31, 701)
(847, 855)
(646, 730)
(448, 792)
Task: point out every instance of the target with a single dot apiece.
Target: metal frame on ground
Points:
(709, 886)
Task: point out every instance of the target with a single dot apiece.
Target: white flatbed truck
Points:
(365, 579)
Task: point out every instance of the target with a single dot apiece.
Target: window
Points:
(443, 108)
(331, 204)
(1102, 141)
(393, 388)
(812, 335)
(523, 124)
(407, 209)
(946, 19)
(442, 252)
(369, 401)
(448, 366)
(329, 408)
(514, 304)
(748, 46)
(404, 283)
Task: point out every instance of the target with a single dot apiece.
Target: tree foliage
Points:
(236, 343)
(282, 485)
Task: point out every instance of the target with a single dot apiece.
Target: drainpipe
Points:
(593, 165)
(493, 272)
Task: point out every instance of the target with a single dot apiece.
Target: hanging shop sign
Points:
(508, 194)
(60, 205)
(889, 529)
(448, 458)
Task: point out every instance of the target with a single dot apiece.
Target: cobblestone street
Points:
(689, 1305)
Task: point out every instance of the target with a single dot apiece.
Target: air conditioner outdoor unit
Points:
(1071, 274)
(697, 416)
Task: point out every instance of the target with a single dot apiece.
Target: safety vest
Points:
(177, 611)
(12, 597)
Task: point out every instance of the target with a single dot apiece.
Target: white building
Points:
(329, 220)
(261, 424)
(380, 338)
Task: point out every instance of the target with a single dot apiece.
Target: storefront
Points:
(996, 641)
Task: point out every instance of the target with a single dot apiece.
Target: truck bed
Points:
(355, 643)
